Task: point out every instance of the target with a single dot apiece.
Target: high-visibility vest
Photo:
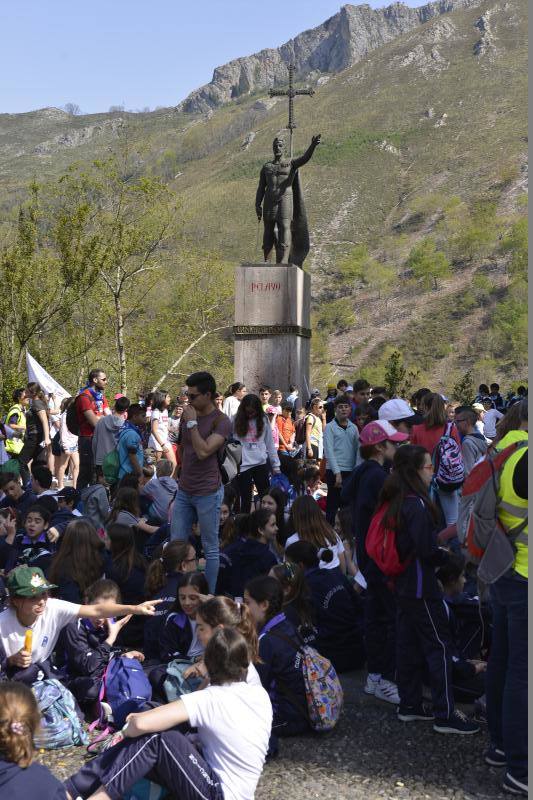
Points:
(512, 509)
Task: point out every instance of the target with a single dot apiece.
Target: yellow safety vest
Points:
(512, 509)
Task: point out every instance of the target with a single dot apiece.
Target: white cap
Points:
(395, 409)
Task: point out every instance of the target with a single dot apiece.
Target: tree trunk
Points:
(121, 349)
(186, 352)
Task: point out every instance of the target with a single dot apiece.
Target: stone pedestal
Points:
(272, 326)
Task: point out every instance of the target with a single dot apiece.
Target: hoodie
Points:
(153, 626)
(32, 783)
(95, 504)
(86, 655)
(255, 558)
(105, 437)
(159, 492)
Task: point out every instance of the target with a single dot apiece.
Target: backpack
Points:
(229, 457)
(448, 462)
(71, 418)
(125, 688)
(60, 724)
(175, 684)
(300, 430)
(323, 690)
(111, 467)
(380, 545)
(488, 542)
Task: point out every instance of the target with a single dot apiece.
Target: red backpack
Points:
(381, 545)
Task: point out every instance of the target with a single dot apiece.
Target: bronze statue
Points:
(283, 212)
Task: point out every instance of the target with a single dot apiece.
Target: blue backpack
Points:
(60, 724)
(125, 688)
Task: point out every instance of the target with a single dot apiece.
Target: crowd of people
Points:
(122, 534)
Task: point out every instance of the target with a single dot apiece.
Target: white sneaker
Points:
(388, 691)
(371, 685)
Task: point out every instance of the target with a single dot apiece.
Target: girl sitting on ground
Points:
(179, 636)
(233, 719)
(310, 525)
(20, 720)
(280, 665)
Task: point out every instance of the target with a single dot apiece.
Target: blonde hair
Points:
(19, 720)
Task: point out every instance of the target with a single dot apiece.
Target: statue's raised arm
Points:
(299, 162)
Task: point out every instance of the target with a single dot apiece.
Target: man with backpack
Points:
(473, 447)
(89, 406)
(507, 672)
(107, 430)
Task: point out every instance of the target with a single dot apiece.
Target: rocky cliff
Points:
(338, 43)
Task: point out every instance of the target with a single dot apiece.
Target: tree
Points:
(121, 107)
(427, 263)
(464, 390)
(381, 277)
(73, 109)
(395, 373)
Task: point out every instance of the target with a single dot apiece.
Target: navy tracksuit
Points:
(361, 492)
(240, 562)
(24, 550)
(176, 637)
(86, 655)
(423, 631)
(228, 580)
(338, 616)
(170, 759)
(153, 626)
(281, 673)
(132, 592)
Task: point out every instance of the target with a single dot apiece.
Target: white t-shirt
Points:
(230, 407)
(337, 549)
(46, 629)
(162, 428)
(234, 723)
(252, 676)
(492, 416)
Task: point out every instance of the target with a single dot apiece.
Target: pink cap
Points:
(118, 396)
(379, 431)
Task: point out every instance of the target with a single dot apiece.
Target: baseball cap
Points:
(26, 581)
(380, 431)
(478, 407)
(331, 386)
(395, 409)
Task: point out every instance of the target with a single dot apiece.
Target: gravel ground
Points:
(370, 755)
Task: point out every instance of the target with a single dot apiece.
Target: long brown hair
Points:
(34, 389)
(229, 614)
(124, 553)
(80, 555)
(126, 499)
(165, 563)
(242, 421)
(435, 411)
(403, 481)
(308, 521)
(19, 721)
(296, 591)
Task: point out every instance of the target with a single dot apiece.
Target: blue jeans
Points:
(507, 673)
(449, 503)
(188, 508)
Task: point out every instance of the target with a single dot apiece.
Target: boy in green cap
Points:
(30, 608)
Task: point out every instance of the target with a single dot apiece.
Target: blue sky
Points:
(137, 52)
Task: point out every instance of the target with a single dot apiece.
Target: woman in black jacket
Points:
(423, 634)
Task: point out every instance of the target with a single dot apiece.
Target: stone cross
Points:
(291, 93)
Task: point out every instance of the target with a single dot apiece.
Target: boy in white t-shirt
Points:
(30, 609)
(233, 719)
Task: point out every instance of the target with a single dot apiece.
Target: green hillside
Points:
(414, 198)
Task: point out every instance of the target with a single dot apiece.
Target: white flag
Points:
(47, 383)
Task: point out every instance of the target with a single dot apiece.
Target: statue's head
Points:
(277, 146)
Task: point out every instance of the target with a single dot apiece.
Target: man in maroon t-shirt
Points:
(91, 404)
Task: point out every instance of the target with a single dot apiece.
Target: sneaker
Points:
(413, 713)
(371, 684)
(388, 691)
(457, 723)
(513, 785)
(494, 757)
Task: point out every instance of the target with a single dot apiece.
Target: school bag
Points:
(323, 690)
(60, 724)
(380, 545)
(111, 467)
(448, 462)
(71, 418)
(125, 689)
(299, 428)
(175, 683)
(489, 543)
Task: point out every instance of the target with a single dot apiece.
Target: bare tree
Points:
(73, 109)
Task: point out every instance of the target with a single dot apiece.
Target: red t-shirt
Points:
(86, 402)
(429, 437)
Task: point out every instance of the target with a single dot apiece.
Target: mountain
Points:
(339, 43)
(424, 144)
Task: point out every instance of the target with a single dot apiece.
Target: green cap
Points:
(27, 582)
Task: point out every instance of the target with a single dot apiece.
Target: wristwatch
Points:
(192, 423)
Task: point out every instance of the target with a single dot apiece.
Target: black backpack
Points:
(73, 424)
